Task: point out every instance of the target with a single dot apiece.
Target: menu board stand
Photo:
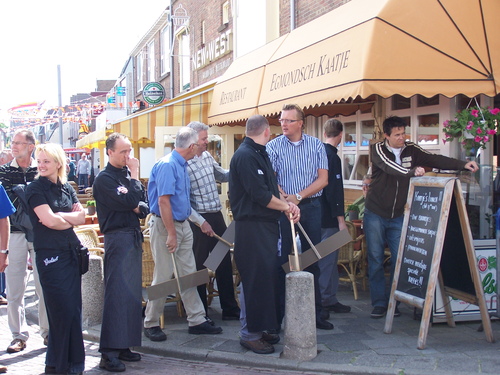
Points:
(436, 250)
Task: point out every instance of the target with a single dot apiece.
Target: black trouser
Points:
(202, 246)
(61, 284)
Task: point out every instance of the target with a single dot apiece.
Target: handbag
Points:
(83, 259)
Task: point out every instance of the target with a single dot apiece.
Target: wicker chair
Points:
(89, 238)
(148, 266)
(350, 259)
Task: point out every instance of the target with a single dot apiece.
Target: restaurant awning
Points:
(93, 140)
(382, 47)
(180, 111)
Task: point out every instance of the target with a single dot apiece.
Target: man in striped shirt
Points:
(207, 219)
(301, 167)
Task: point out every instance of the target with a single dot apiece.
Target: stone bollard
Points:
(93, 292)
(300, 317)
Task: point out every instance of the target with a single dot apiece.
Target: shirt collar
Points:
(33, 163)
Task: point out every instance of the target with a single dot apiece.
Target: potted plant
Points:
(353, 210)
(91, 207)
(473, 127)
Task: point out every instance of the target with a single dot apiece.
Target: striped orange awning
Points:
(180, 111)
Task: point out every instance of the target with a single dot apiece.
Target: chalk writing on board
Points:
(420, 239)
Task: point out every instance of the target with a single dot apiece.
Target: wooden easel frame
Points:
(452, 188)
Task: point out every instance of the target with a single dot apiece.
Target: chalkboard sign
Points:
(436, 251)
(420, 240)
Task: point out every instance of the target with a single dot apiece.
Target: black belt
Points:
(308, 200)
(177, 221)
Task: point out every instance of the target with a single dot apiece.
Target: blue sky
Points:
(90, 40)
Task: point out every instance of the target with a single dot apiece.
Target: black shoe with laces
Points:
(205, 328)
(129, 356)
(111, 364)
(155, 334)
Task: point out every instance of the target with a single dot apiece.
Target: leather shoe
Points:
(50, 370)
(16, 346)
(46, 340)
(205, 328)
(258, 346)
(155, 334)
(129, 356)
(111, 364)
(323, 324)
(338, 308)
(3, 300)
(3, 369)
(270, 338)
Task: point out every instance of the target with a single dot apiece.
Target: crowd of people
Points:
(292, 178)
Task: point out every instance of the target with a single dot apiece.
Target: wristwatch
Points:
(4, 251)
(298, 196)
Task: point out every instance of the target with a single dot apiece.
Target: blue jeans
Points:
(380, 232)
(245, 334)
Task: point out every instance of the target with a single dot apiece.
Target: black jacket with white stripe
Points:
(390, 181)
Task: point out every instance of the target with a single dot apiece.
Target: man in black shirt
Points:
(118, 194)
(256, 205)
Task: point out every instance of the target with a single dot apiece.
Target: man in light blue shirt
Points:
(168, 193)
(301, 167)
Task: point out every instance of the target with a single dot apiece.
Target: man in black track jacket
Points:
(394, 162)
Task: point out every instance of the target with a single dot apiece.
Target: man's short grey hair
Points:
(255, 125)
(197, 126)
(186, 137)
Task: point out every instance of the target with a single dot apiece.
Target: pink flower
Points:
(486, 138)
(469, 126)
(478, 139)
(474, 112)
(495, 111)
(444, 141)
(479, 131)
(492, 131)
(446, 123)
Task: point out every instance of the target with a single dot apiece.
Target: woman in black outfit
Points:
(54, 210)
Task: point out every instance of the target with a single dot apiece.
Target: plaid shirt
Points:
(204, 171)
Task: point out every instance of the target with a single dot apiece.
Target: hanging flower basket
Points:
(473, 127)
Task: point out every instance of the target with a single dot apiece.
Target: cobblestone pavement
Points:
(357, 345)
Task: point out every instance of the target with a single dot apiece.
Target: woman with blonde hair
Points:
(54, 210)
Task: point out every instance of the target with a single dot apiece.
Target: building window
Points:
(350, 134)
(165, 50)
(367, 128)
(151, 62)
(428, 129)
(203, 32)
(139, 65)
(400, 102)
(422, 101)
(184, 60)
(225, 13)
